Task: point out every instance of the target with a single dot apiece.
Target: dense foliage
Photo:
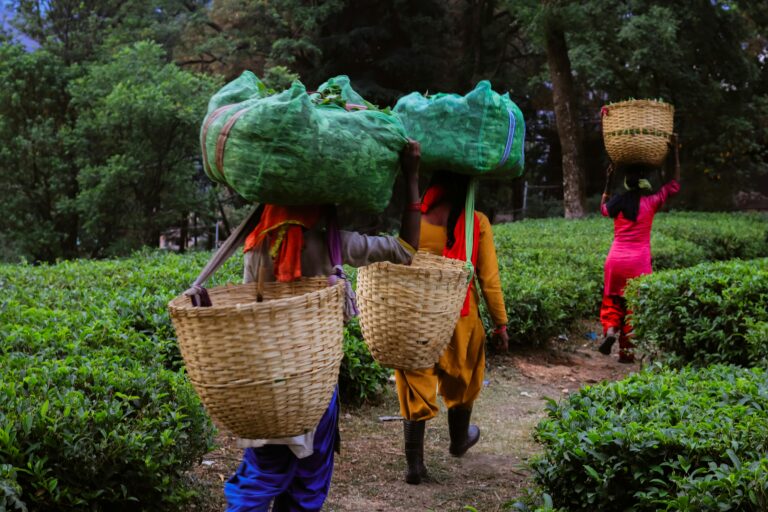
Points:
(710, 313)
(94, 405)
(361, 378)
(91, 370)
(93, 409)
(552, 270)
(101, 431)
(97, 161)
(659, 440)
(706, 58)
(125, 164)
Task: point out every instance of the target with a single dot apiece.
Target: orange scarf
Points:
(284, 225)
(432, 198)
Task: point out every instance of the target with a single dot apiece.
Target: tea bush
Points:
(93, 411)
(722, 236)
(99, 431)
(361, 378)
(552, 269)
(94, 405)
(710, 313)
(663, 439)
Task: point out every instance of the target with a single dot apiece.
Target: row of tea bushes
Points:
(95, 409)
(94, 413)
(98, 432)
(710, 313)
(663, 439)
(671, 438)
(552, 269)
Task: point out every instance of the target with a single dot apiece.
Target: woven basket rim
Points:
(416, 269)
(177, 308)
(641, 103)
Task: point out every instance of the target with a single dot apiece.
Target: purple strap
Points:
(201, 298)
(334, 251)
(199, 295)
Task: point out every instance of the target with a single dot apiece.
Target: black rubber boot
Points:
(413, 433)
(463, 435)
(607, 345)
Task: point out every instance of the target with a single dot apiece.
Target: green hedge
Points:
(99, 432)
(361, 378)
(660, 440)
(94, 405)
(552, 269)
(710, 313)
(93, 409)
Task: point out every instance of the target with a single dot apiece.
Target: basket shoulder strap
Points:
(469, 226)
(334, 252)
(197, 293)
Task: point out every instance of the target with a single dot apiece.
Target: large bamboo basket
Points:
(264, 369)
(637, 131)
(408, 313)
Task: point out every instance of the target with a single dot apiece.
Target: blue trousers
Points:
(274, 473)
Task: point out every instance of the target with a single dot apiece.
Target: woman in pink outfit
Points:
(630, 255)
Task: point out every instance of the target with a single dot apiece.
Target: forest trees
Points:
(98, 135)
(135, 141)
(38, 176)
(83, 125)
(708, 58)
(566, 111)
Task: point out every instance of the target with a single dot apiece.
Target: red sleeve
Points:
(667, 191)
(604, 209)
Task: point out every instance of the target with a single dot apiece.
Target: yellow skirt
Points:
(458, 375)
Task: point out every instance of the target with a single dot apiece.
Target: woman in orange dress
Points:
(459, 374)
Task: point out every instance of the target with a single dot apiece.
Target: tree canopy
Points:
(99, 126)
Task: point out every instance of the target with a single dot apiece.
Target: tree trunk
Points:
(183, 233)
(566, 117)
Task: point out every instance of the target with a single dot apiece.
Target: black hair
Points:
(455, 186)
(628, 202)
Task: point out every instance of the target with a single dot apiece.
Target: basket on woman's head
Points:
(637, 131)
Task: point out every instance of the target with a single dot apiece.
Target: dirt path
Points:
(368, 474)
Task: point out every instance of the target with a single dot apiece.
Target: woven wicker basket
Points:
(264, 369)
(408, 313)
(637, 131)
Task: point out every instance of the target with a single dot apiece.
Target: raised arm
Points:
(672, 186)
(607, 190)
(410, 227)
(674, 155)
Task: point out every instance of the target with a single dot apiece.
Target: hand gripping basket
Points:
(408, 313)
(637, 131)
(264, 369)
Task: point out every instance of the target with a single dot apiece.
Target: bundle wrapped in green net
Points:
(480, 134)
(296, 148)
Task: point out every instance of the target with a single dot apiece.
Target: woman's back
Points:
(634, 233)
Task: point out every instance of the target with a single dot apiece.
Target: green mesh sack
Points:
(295, 148)
(479, 134)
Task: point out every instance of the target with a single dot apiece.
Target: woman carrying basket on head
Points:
(294, 474)
(630, 254)
(459, 372)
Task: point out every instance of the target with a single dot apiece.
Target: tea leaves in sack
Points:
(296, 148)
(479, 134)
